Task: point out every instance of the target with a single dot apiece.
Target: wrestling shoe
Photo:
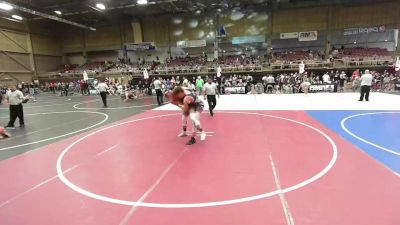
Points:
(191, 141)
(203, 136)
(183, 134)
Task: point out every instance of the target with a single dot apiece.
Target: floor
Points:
(53, 118)
(268, 159)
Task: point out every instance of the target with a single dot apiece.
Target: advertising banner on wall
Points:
(235, 90)
(308, 36)
(363, 30)
(293, 35)
(191, 44)
(322, 88)
(248, 39)
(144, 46)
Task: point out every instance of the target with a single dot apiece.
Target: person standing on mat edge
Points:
(210, 89)
(366, 82)
(103, 89)
(158, 87)
(15, 98)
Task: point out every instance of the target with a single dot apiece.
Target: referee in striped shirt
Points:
(14, 98)
(210, 89)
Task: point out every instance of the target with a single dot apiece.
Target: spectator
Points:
(326, 78)
(199, 85)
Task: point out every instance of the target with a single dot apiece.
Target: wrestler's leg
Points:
(184, 126)
(195, 118)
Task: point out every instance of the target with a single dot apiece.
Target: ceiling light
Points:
(142, 2)
(355, 42)
(17, 17)
(10, 19)
(5, 6)
(386, 40)
(100, 6)
(57, 12)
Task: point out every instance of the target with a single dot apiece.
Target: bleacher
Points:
(283, 60)
(364, 57)
(92, 67)
(66, 68)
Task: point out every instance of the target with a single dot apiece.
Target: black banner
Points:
(397, 86)
(322, 88)
(235, 90)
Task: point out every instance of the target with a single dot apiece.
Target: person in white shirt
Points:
(158, 87)
(145, 74)
(343, 78)
(366, 82)
(219, 78)
(270, 83)
(103, 89)
(15, 98)
(219, 71)
(326, 78)
(210, 89)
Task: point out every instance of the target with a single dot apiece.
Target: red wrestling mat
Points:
(253, 168)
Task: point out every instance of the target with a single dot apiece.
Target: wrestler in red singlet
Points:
(191, 107)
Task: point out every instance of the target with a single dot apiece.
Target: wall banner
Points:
(145, 46)
(293, 35)
(308, 36)
(364, 30)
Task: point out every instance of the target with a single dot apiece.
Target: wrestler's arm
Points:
(176, 103)
(186, 102)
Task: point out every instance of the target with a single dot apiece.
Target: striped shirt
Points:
(210, 89)
(15, 97)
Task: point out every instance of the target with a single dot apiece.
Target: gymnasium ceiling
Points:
(85, 12)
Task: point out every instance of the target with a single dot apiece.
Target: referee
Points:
(366, 82)
(14, 98)
(210, 89)
(158, 87)
(103, 89)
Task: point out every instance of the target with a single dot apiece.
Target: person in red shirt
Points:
(356, 73)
